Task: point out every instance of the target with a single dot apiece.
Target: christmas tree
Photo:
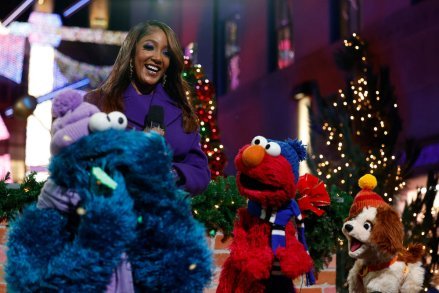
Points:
(203, 101)
(420, 220)
(355, 132)
(358, 127)
(216, 207)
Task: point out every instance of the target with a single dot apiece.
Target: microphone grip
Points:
(154, 127)
(154, 120)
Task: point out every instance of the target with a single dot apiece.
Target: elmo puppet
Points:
(269, 247)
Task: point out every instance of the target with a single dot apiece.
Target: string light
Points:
(204, 104)
(367, 124)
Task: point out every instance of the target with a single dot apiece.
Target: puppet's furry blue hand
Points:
(56, 262)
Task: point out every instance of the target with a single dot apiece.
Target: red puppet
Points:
(269, 247)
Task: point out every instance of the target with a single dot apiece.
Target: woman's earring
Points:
(164, 80)
(131, 69)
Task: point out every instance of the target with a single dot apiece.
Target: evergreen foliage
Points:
(323, 233)
(216, 208)
(13, 198)
(420, 222)
(204, 103)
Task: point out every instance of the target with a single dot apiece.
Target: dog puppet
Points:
(375, 239)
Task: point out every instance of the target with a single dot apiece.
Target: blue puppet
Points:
(110, 217)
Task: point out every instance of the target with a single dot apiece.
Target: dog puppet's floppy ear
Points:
(387, 232)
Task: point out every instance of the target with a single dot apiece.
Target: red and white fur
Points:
(375, 237)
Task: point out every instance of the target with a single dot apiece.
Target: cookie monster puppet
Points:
(265, 254)
(110, 217)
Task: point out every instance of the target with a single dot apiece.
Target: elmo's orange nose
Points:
(253, 155)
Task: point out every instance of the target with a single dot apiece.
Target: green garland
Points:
(216, 208)
(13, 198)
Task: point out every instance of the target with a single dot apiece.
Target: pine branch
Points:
(324, 233)
(13, 200)
(420, 225)
(216, 208)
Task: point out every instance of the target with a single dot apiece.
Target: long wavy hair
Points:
(109, 97)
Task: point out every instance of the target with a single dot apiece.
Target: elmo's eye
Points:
(367, 226)
(259, 140)
(273, 149)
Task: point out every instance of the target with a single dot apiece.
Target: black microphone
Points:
(154, 120)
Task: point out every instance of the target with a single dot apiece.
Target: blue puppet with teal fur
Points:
(110, 217)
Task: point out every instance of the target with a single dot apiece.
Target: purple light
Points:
(428, 156)
(11, 56)
(18, 11)
(4, 133)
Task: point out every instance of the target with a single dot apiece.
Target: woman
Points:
(148, 72)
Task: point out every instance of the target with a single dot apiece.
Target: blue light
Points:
(75, 85)
(72, 9)
(9, 112)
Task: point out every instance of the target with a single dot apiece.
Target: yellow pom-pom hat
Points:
(366, 197)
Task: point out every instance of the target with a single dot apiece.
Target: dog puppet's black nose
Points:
(348, 227)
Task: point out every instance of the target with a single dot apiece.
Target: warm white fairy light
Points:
(359, 103)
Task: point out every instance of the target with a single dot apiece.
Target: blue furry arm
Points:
(181, 263)
(193, 168)
(105, 230)
(32, 241)
(84, 264)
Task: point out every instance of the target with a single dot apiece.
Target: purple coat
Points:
(189, 160)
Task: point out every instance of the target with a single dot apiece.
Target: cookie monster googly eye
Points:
(99, 122)
(118, 120)
(102, 121)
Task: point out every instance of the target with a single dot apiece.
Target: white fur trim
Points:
(273, 217)
(389, 280)
(278, 232)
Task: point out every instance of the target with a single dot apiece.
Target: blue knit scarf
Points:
(279, 219)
